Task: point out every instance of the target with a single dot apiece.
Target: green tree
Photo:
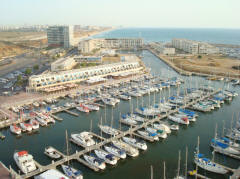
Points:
(199, 56)
(28, 71)
(36, 67)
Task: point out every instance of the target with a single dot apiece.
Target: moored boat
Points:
(52, 153)
(96, 162)
(72, 172)
(15, 129)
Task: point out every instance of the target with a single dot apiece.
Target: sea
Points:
(158, 152)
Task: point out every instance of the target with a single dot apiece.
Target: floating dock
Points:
(70, 112)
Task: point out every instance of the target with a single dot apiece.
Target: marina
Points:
(77, 154)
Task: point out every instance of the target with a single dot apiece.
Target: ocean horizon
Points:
(210, 35)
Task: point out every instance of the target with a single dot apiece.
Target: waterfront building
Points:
(97, 59)
(63, 64)
(87, 46)
(194, 47)
(51, 79)
(60, 36)
(162, 48)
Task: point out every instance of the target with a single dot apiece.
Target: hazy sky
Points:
(131, 13)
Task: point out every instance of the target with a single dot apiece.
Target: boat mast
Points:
(223, 128)
(198, 143)
(67, 146)
(186, 159)
(112, 118)
(179, 160)
(151, 172)
(164, 170)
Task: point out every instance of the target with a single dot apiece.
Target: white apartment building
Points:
(38, 82)
(60, 36)
(194, 47)
(86, 46)
(162, 49)
(63, 64)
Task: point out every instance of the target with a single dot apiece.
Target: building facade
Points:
(63, 64)
(38, 82)
(194, 47)
(162, 49)
(86, 46)
(60, 36)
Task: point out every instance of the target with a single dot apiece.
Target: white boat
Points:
(124, 97)
(95, 162)
(161, 133)
(108, 130)
(127, 120)
(15, 129)
(34, 123)
(24, 161)
(36, 104)
(131, 151)
(146, 111)
(174, 127)
(137, 144)
(83, 139)
(162, 127)
(154, 136)
(108, 158)
(81, 108)
(52, 153)
(51, 174)
(223, 147)
(92, 107)
(180, 120)
(208, 165)
(26, 126)
(41, 120)
(180, 115)
(67, 105)
(72, 172)
(134, 94)
(116, 151)
(110, 101)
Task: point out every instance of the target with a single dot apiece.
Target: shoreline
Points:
(189, 73)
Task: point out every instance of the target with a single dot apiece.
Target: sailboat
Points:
(70, 171)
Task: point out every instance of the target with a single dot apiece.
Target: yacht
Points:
(34, 123)
(180, 120)
(110, 101)
(180, 115)
(24, 161)
(41, 120)
(81, 108)
(96, 162)
(26, 126)
(163, 127)
(174, 127)
(154, 136)
(92, 107)
(116, 151)
(15, 129)
(146, 112)
(124, 97)
(208, 165)
(108, 158)
(128, 120)
(131, 151)
(161, 133)
(52, 153)
(108, 130)
(137, 144)
(72, 172)
(223, 147)
(51, 174)
(83, 139)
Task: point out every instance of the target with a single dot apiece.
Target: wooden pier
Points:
(4, 172)
(56, 117)
(70, 112)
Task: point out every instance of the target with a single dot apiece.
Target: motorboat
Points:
(72, 172)
(161, 133)
(137, 144)
(162, 126)
(91, 107)
(82, 108)
(174, 127)
(15, 129)
(180, 115)
(84, 139)
(208, 165)
(24, 161)
(110, 101)
(108, 130)
(41, 120)
(180, 120)
(96, 162)
(131, 151)
(108, 158)
(150, 112)
(120, 153)
(52, 153)
(124, 97)
(34, 123)
(135, 117)
(51, 174)
(26, 126)
(146, 134)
